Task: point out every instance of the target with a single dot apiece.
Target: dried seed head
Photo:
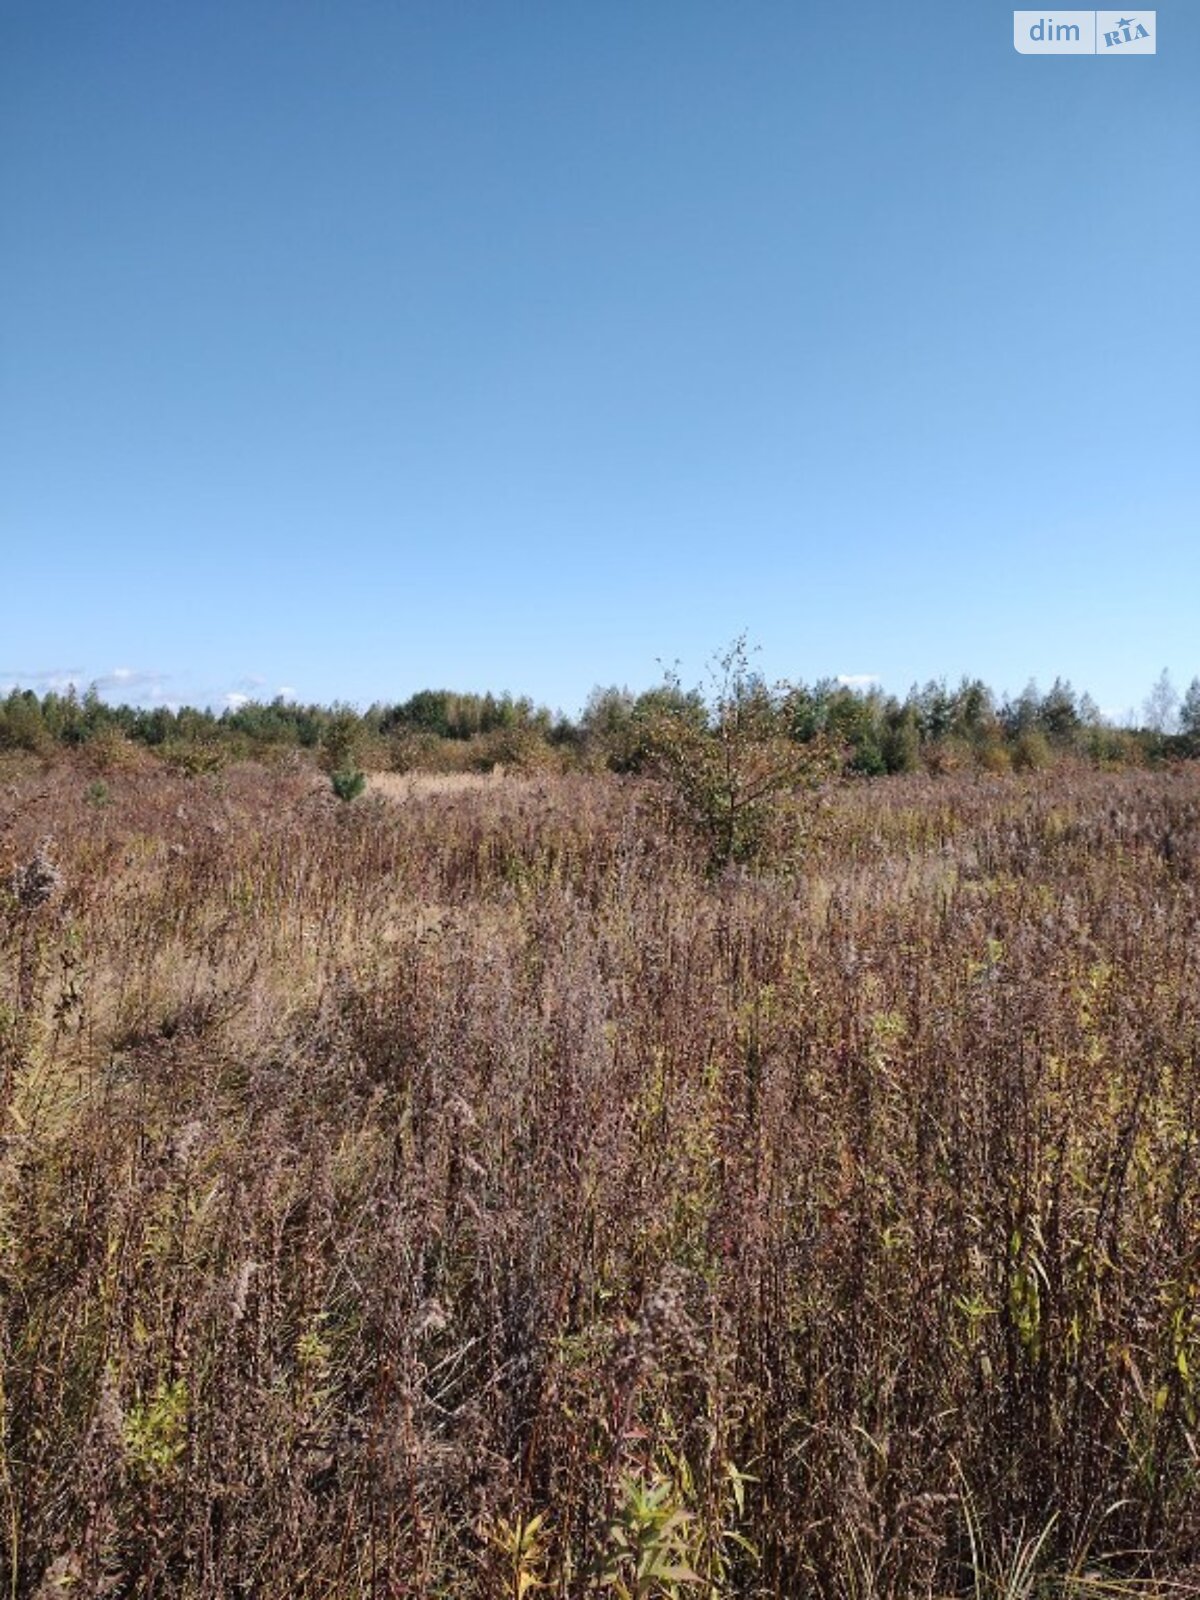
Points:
(431, 1318)
(60, 1578)
(184, 1141)
(241, 1290)
(110, 1417)
(38, 880)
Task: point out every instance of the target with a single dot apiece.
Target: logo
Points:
(1129, 35)
(1085, 33)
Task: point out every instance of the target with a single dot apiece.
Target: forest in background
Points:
(936, 728)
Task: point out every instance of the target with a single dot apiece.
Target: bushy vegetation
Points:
(936, 728)
(733, 767)
(478, 1195)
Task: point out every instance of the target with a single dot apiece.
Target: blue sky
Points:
(349, 349)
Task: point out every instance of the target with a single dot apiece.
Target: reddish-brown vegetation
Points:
(378, 1177)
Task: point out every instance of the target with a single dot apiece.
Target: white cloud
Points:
(133, 686)
(857, 680)
(286, 692)
(1120, 716)
(56, 680)
(234, 700)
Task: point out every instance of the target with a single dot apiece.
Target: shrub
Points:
(109, 750)
(417, 751)
(901, 745)
(994, 756)
(1031, 751)
(517, 749)
(731, 775)
(869, 759)
(348, 784)
(341, 739)
(194, 759)
(22, 726)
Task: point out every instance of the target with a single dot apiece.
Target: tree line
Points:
(935, 727)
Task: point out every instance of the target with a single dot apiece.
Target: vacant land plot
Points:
(461, 1191)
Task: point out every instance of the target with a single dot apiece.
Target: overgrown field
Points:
(465, 1193)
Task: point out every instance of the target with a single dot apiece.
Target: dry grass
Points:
(377, 1178)
(415, 785)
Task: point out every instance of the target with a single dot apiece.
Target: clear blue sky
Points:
(352, 348)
